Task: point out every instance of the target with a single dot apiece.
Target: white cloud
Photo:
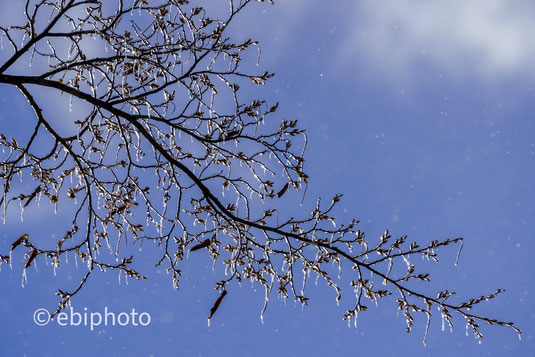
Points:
(486, 38)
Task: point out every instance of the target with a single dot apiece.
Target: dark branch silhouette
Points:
(168, 152)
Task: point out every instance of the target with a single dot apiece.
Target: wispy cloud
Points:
(484, 38)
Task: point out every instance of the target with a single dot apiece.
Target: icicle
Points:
(304, 282)
(5, 209)
(70, 103)
(31, 56)
(427, 328)
(459, 253)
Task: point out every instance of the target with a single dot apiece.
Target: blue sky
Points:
(421, 113)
